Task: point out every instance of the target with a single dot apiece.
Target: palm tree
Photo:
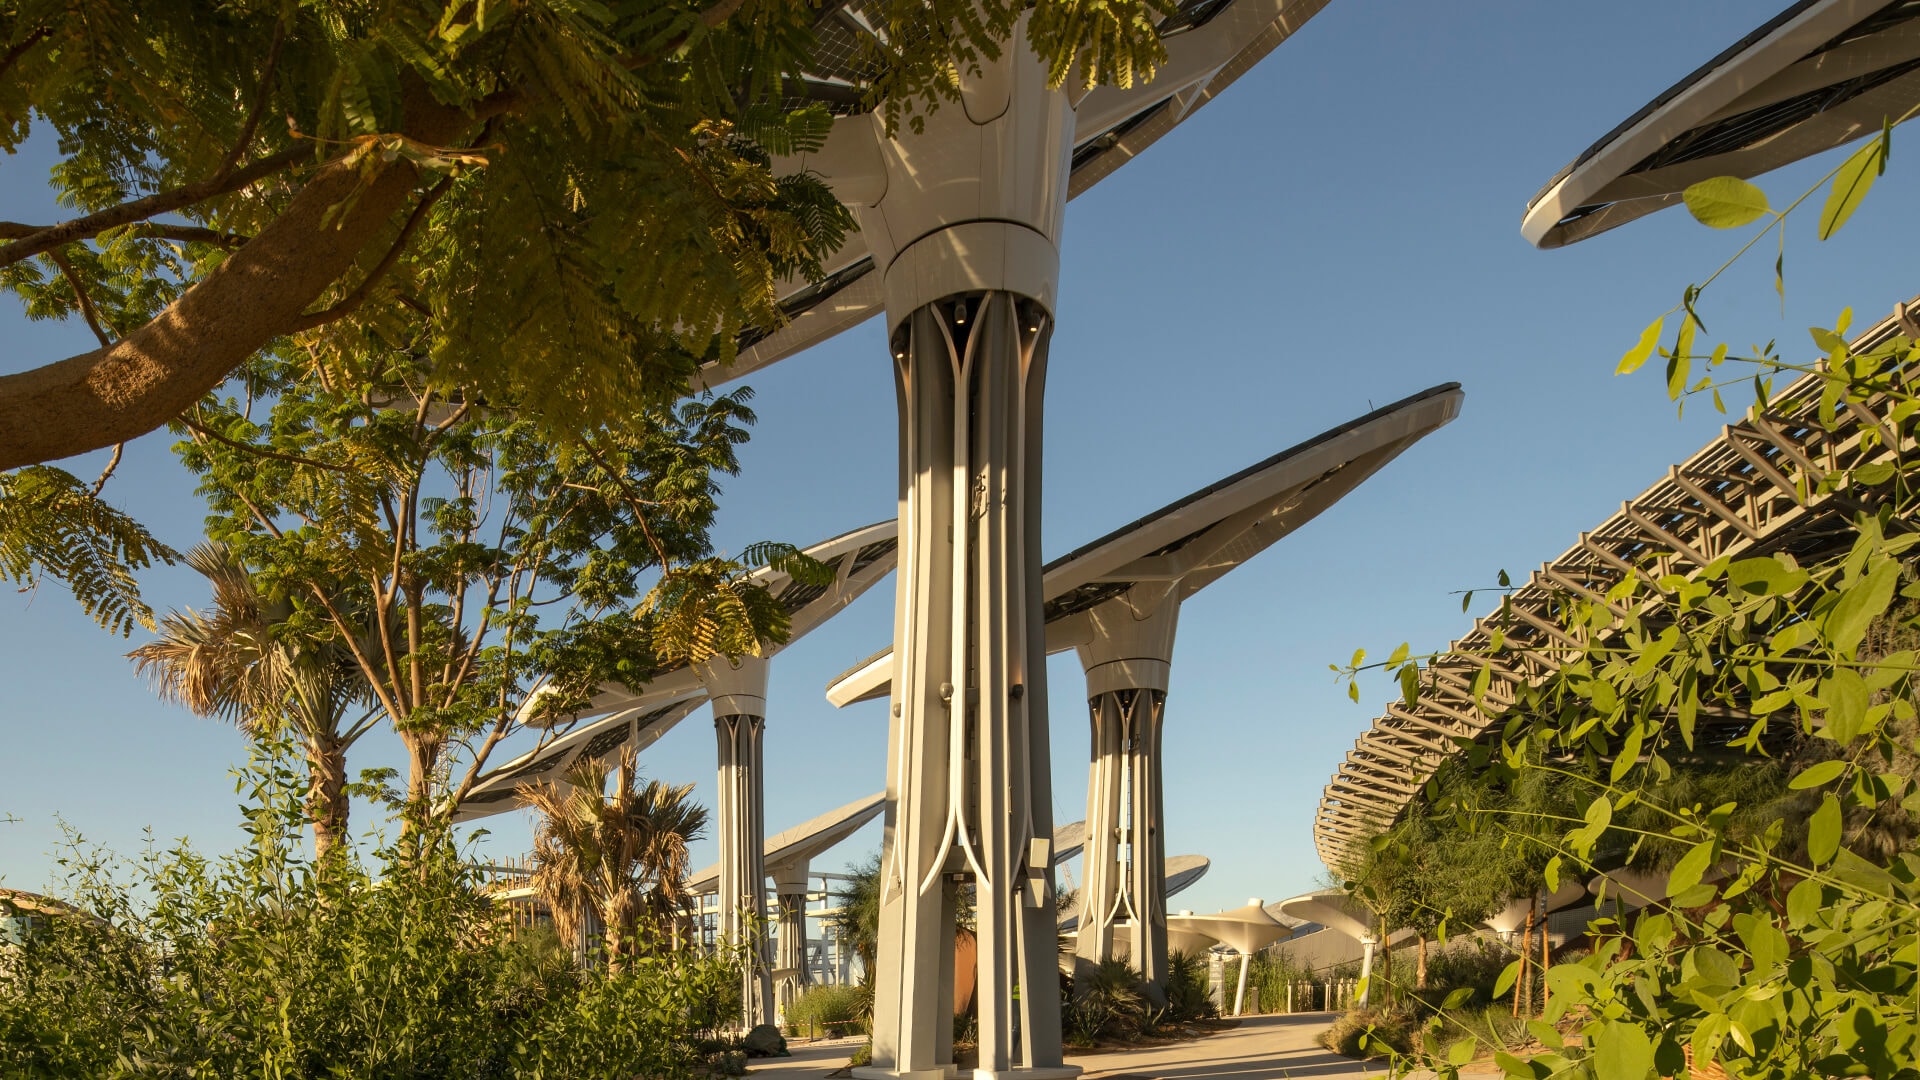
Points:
(621, 857)
(243, 661)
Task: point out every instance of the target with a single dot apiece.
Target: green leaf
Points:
(1461, 1051)
(1622, 1052)
(1860, 604)
(1850, 185)
(1691, 868)
(1547, 1034)
(1845, 695)
(1460, 996)
(1642, 349)
(1506, 980)
(1823, 832)
(1725, 202)
(1551, 874)
(1804, 902)
(1818, 774)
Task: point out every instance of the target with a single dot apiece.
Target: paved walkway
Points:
(1260, 1048)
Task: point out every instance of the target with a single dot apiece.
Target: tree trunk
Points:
(1420, 963)
(327, 802)
(1526, 950)
(147, 378)
(423, 760)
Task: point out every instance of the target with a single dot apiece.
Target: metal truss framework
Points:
(1754, 490)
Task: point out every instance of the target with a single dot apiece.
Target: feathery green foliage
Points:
(461, 559)
(53, 525)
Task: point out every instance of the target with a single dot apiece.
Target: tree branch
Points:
(200, 429)
(21, 49)
(260, 98)
(189, 234)
(80, 296)
(363, 290)
(160, 370)
(160, 202)
(107, 473)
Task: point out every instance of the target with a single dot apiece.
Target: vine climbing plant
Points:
(1785, 939)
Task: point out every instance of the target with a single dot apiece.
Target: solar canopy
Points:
(1209, 43)
(1820, 74)
(1231, 520)
(638, 719)
(802, 842)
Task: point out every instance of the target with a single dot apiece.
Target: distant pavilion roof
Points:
(1737, 497)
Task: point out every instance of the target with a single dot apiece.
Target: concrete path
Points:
(1261, 1048)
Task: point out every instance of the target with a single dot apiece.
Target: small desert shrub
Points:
(1105, 1005)
(1366, 1033)
(1187, 996)
(829, 1011)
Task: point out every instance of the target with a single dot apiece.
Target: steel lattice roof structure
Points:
(1754, 490)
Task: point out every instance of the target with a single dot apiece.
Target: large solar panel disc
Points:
(1210, 43)
(1818, 75)
(1234, 519)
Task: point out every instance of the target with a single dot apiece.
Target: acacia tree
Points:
(484, 560)
(579, 195)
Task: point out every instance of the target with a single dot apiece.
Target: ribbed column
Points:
(1101, 872)
(741, 826)
(738, 690)
(790, 888)
(1128, 657)
(969, 792)
(1146, 879)
(963, 216)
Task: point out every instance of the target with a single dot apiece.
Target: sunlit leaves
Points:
(1643, 348)
(1851, 184)
(1725, 202)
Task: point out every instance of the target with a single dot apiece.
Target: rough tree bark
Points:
(137, 384)
(327, 798)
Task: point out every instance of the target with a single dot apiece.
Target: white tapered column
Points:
(790, 889)
(1127, 653)
(739, 693)
(963, 219)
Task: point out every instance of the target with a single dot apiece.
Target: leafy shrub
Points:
(1187, 990)
(829, 1010)
(1104, 1004)
(1470, 962)
(256, 965)
(1367, 1033)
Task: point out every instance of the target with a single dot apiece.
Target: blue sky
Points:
(1338, 230)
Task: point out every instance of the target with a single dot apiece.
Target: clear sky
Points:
(1338, 230)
